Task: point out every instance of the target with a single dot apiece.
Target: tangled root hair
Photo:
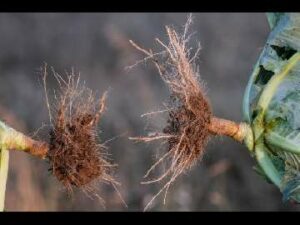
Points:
(75, 156)
(187, 128)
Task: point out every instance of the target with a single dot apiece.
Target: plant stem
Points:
(225, 127)
(11, 139)
(271, 88)
(238, 131)
(4, 160)
(14, 140)
(267, 165)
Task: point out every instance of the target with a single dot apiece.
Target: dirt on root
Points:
(76, 156)
(187, 128)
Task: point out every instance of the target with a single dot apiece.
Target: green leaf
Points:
(283, 42)
(272, 104)
(273, 18)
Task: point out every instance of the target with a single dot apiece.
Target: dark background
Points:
(96, 45)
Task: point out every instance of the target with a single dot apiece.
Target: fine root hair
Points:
(76, 156)
(189, 113)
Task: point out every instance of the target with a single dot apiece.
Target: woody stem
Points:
(11, 139)
(237, 131)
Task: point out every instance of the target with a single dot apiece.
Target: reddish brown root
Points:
(190, 122)
(74, 153)
(76, 157)
(187, 129)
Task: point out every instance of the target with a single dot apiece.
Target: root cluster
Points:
(76, 157)
(187, 128)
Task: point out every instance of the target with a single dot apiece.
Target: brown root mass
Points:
(187, 129)
(75, 156)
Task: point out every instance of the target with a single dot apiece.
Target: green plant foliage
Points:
(272, 105)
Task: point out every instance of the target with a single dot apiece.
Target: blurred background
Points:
(96, 45)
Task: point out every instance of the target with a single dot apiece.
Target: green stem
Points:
(272, 85)
(11, 139)
(266, 164)
(282, 142)
(4, 161)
